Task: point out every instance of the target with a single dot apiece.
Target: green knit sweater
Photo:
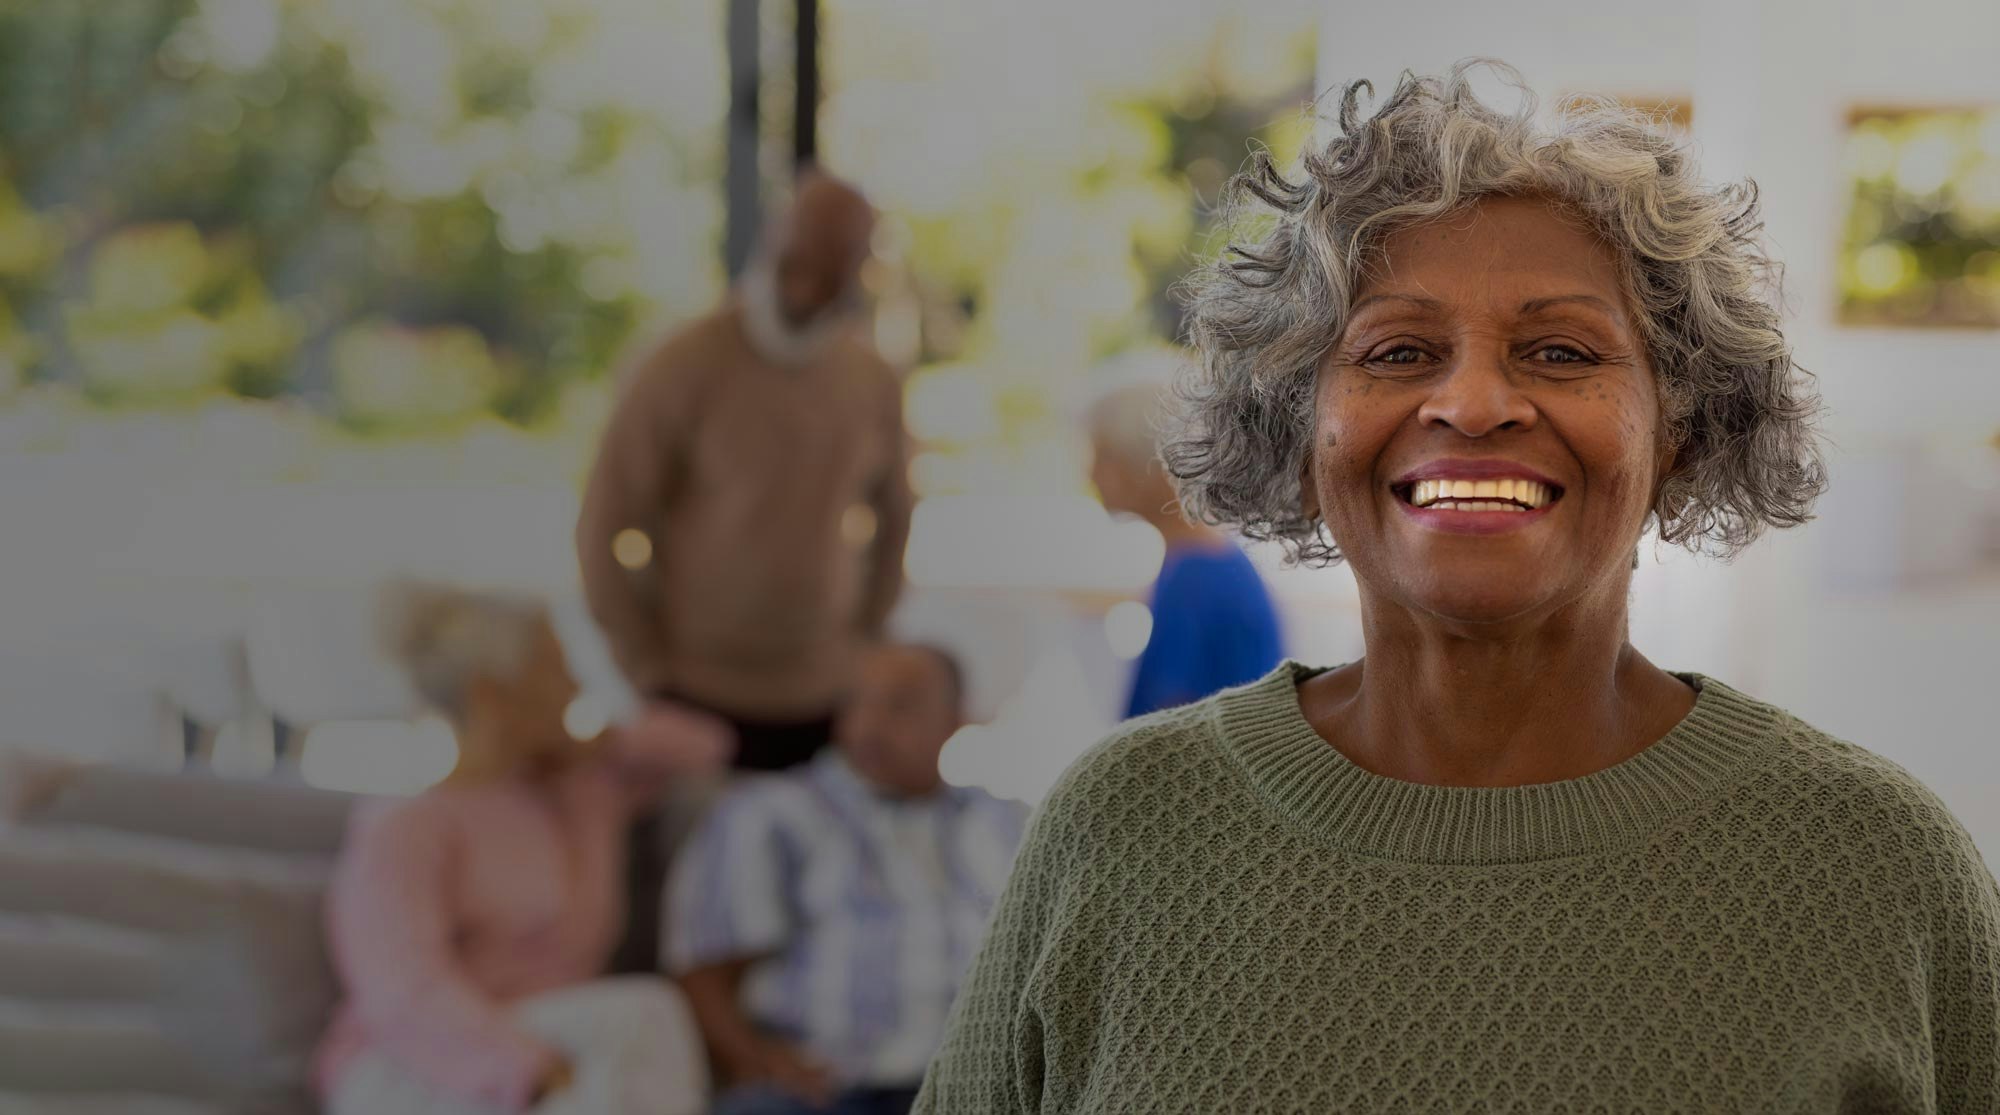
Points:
(1217, 913)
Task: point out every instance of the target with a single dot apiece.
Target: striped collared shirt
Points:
(865, 910)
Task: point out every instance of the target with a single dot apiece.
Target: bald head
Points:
(819, 246)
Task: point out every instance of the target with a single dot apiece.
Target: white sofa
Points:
(161, 946)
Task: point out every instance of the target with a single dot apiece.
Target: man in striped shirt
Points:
(821, 919)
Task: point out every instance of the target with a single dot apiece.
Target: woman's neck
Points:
(485, 760)
(1177, 531)
(1544, 702)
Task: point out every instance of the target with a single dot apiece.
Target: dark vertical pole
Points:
(741, 197)
(805, 113)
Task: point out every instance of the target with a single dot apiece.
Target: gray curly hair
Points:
(1734, 407)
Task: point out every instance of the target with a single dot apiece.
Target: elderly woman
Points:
(1503, 863)
(1213, 623)
(469, 924)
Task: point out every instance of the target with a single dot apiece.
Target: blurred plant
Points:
(201, 197)
(1050, 172)
(1923, 231)
(17, 352)
(171, 317)
(406, 216)
(388, 376)
(27, 242)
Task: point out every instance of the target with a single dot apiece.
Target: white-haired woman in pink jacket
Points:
(470, 924)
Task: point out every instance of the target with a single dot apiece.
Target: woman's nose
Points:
(1477, 396)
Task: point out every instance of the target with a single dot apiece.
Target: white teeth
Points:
(1476, 505)
(1480, 495)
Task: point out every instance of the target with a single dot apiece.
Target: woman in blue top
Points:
(1213, 624)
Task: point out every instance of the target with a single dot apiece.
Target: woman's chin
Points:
(1470, 584)
(1478, 604)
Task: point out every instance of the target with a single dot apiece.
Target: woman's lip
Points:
(1474, 468)
(1475, 522)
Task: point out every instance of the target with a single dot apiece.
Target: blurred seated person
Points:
(1213, 623)
(821, 918)
(469, 924)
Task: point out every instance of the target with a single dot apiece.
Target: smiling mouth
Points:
(1516, 495)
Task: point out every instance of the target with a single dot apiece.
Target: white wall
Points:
(1619, 45)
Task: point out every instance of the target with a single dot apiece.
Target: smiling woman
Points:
(1502, 863)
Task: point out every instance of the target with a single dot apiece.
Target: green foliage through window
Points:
(402, 214)
(1922, 244)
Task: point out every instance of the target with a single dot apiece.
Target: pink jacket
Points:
(449, 907)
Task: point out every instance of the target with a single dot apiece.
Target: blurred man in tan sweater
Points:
(742, 532)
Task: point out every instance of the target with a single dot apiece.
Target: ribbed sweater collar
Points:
(1313, 784)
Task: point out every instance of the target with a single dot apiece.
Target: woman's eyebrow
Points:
(1425, 303)
(1533, 305)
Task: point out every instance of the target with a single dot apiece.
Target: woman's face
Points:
(1486, 442)
(519, 719)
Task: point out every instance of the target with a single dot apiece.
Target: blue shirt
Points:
(1213, 627)
(862, 913)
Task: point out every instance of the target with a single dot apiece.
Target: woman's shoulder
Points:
(1833, 769)
(440, 812)
(1864, 802)
(391, 822)
(1144, 767)
(391, 837)
(1163, 745)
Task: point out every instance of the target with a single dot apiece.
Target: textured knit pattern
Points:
(1217, 912)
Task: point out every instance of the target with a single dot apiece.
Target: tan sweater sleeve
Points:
(629, 488)
(893, 501)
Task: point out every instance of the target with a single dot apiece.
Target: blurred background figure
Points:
(822, 918)
(1213, 623)
(742, 531)
(468, 924)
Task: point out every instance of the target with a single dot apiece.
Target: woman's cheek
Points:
(1610, 428)
(1638, 410)
(1638, 423)
(1333, 462)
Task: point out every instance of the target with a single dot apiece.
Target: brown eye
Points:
(1562, 354)
(1401, 354)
